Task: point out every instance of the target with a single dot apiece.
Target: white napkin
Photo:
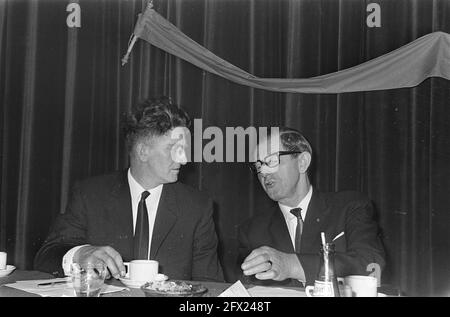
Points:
(235, 290)
(58, 290)
(263, 291)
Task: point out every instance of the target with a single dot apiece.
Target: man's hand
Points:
(270, 264)
(105, 254)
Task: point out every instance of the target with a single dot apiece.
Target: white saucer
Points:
(131, 283)
(137, 284)
(7, 271)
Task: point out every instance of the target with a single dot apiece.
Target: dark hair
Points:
(293, 140)
(153, 117)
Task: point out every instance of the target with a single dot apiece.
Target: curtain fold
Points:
(405, 67)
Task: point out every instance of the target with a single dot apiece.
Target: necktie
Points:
(141, 235)
(297, 212)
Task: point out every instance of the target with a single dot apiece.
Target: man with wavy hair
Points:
(142, 212)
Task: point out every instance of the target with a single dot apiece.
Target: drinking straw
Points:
(339, 235)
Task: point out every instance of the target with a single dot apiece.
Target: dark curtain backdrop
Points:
(62, 91)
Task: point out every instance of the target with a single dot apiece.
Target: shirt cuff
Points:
(68, 258)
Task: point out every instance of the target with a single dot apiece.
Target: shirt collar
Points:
(136, 189)
(304, 203)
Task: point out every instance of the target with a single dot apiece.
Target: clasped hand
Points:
(105, 254)
(268, 263)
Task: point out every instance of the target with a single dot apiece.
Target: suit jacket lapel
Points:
(165, 218)
(280, 232)
(317, 210)
(121, 210)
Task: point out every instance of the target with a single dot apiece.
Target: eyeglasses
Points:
(272, 160)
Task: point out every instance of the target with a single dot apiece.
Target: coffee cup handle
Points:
(127, 266)
(309, 290)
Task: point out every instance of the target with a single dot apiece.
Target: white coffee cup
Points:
(142, 270)
(362, 286)
(3, 258)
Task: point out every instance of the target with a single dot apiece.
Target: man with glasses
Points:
(281, 245)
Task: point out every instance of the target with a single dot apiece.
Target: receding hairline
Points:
(282, 147)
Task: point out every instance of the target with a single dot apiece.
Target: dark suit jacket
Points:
(332, 213)
(184, 238)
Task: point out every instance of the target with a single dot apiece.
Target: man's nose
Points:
(179, 155)
(182, 158)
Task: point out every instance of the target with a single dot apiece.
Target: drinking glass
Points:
(88, 278)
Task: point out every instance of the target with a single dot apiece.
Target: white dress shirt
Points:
(152, 203)
(136, 190)
(290, 219)
(291, 222)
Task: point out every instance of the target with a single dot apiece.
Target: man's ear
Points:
(142, 151)
(304, 160)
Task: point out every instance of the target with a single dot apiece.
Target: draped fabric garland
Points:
(407, 66)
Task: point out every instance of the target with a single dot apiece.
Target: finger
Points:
(117, 258)
(266, 251)
(262, 258)
(115, 272)
(109, 262)
(267, 275)
(254, 253)
(258, 268)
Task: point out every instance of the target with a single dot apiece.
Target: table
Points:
(214, 289)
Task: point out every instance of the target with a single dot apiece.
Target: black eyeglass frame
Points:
(255, 170)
